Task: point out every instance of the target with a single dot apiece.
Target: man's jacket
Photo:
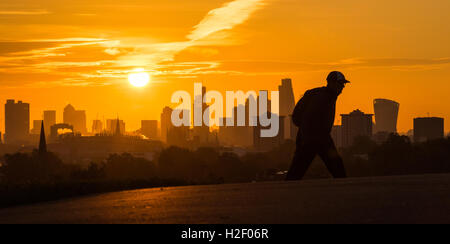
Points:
(314, 114)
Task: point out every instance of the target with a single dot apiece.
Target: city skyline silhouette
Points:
(86, 59)
(352, 125)
(224, 112)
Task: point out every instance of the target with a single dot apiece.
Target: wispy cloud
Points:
(49, 47)
(216, 21)
(270, 67)
(85, 14)
(24, 12)
(73, 39)
(225, 18)
(55, 55)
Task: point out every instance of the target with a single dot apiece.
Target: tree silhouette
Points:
(34, 167)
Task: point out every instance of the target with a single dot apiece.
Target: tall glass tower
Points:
(386, 115)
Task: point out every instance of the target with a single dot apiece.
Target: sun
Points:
(139, 78)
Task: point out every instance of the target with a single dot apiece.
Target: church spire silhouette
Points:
(42, 142)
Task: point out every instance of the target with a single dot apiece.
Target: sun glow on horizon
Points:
(139, 78)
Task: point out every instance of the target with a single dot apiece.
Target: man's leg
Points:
(304, 155)
(332, 159)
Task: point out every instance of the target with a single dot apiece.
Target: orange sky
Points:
(80, 52)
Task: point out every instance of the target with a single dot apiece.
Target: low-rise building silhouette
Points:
(60, 129)
(429, 128)
(337, 133)
(354, 125)
(149, 128)
(83, 150)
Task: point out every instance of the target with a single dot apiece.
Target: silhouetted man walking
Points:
(314, 114)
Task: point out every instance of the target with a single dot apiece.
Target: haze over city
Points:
(55, 53)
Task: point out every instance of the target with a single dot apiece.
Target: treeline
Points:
(26, 178)
(34, 177)
(397, 156)
(204, 165)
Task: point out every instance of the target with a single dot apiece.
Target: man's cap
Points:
(337, 76)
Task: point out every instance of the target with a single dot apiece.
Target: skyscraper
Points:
(268, 143)
(166, 122)
(36, 127)
(17, 122)
(179, 136)
(430, 128)
(287, 105)
(49, 120)
(201, 133)
(149, 128)
(76, 118)
(386, 115)
(97, 126)
(241, 136)
(111, 126)
(287, 99)
(354, 125)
